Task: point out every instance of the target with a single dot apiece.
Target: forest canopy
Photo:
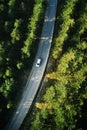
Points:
(63, 105)
(19, 37)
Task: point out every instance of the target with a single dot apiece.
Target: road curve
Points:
(36, 74)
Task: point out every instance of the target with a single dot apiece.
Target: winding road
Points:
(36, 74)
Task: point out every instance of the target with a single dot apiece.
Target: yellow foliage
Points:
(43, 105)
(51, 75)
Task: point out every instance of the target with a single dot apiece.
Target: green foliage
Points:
(32, 28)
(50, 93)
(15, 34)
(36, 124)
(66, 24)
(18, 26)
(68, 83)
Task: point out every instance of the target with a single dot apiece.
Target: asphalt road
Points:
(36, 74)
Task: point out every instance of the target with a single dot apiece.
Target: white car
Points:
(38, 62)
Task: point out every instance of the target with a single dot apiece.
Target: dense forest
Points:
(19, 36)
(63, 105)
